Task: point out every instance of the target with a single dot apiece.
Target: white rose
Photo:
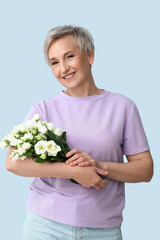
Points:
(14, 152)
(34, 131)
(30, 123)
(14, 131)
(42, 129)
(12, 139)
(23, 157)
(43, 136)
(52, 148)
(19, 141)
(40, 147)
(21, 150)
(3, 144)
(38, 124)
(50, 126)
(26, 145)
(58, 131)
(22, 127)
(16, 157)
(23, 138)
(28, 136)
(9, 137)
(36, 117)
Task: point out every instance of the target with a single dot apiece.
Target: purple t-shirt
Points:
(107, 126)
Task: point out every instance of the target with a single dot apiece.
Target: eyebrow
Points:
(53, 58)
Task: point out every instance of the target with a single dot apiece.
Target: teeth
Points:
(69, 76)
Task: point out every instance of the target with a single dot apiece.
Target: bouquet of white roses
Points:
(37, 139)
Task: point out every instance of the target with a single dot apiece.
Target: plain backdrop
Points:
(127, 61)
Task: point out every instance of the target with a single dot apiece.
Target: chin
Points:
(71, 85)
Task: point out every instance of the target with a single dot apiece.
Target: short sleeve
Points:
(36, 108)
(134, 137)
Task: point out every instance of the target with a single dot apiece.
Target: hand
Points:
(82, 159)
(89, 177)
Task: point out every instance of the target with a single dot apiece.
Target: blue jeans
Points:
(39, 228)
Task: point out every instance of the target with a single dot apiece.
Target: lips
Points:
(69, 76)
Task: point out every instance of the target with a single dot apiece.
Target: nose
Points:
(64, 67)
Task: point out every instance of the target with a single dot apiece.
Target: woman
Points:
(101, 127)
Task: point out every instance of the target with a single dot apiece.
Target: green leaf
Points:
(72, 180)
(51, 159)
(34, 141)
(28, 154)
(105, 181)
(63, 137)
(103, 177)
(7, 141)
(55, 138)
(61, 154)
(39, 160)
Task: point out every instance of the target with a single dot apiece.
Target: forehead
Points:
(61, 46)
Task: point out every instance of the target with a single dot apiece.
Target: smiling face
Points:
(70, 66)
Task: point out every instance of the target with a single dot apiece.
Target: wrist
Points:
(73, 171)
(103, 165)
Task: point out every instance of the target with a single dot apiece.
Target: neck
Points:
(87, 89)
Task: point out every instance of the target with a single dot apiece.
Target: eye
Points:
(70, 56)
(54, 63)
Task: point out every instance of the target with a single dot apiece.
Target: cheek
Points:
(84, 63)
(81, 65)
(78, 62)
(55, 73)
(86, 67)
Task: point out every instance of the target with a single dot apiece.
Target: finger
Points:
(78, 161)
(85, 164)
(93, 162)
(101, 184)
(98, 187)
(102, 172)
(75, 157)
(73, 151)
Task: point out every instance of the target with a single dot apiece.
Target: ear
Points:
(91, 58)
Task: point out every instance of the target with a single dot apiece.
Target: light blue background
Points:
(127, 61)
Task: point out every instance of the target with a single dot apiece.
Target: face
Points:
(70, 66)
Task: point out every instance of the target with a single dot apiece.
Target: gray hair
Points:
(82, 36)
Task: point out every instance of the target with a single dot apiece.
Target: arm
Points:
(29, 168)
(87, 177)
(139, 168)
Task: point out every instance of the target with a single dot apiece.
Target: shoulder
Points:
(120, 100)
(119, 97)
(47, 101)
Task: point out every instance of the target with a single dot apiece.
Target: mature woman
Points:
(101, 127)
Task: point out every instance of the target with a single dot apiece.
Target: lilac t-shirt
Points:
(107, 126)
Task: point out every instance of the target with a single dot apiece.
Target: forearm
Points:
(135, 171)
(29, 168)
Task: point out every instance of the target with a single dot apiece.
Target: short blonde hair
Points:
(81, 35)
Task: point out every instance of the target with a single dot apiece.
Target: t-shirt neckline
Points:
(92, 97)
